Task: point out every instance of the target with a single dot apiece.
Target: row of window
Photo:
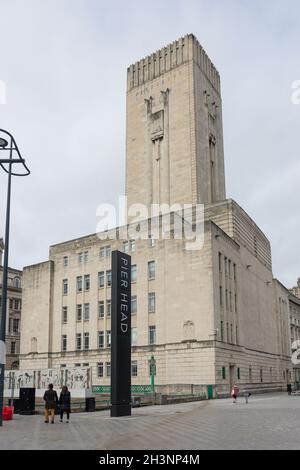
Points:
(232, 334)
(229, 267)
(105, 252)
(83, 310)
(104, 369)
(286, 374)
(229, 304)
(83, 283)
(82, 341)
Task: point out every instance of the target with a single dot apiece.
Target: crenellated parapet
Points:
(168, 58)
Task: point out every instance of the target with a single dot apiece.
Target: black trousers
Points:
(64, 411)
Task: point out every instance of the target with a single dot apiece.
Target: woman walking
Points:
(65, 403)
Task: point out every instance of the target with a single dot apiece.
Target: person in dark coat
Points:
(51, 401)
(65, 404)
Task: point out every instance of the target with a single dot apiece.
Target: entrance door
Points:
(232, 376)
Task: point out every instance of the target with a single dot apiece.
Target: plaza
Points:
(269, 421)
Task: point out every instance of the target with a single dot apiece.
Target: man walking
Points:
(51, 402)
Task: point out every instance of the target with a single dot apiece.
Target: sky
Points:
(64, 66)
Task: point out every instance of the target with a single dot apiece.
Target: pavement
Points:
(267, 422)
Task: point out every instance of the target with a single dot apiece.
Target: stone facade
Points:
(211, 317)
(296, 290)
(13, 316)
(295, 334)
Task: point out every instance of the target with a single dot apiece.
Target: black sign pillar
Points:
(121, 335)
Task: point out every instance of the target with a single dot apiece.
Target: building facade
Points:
(13, 318)
(296, 290)
(295, 335)
(211, 317)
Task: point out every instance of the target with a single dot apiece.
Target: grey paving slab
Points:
(267, 422)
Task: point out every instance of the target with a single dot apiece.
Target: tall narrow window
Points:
(101, 280)
(64, 343)
(78, 342)
(65, 287)
(101, 309)
(152, 335)
(133, 273)
(86, 341)
(151, 270)
(65, 315)
(79, 312)
(222, 331)
(151, 302)
(100, 339)
(87, 282)
(79, 284)
(212, 154)
(108, 278)
(86, 312)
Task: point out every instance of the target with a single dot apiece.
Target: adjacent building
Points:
(211, 317)
(13, 318)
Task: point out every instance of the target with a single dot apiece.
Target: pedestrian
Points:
(247, 395)
(65, 403)
(234, 393)
(51, 402)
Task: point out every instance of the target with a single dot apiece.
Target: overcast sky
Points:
(64, 63)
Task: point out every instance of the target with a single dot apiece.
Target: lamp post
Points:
(11, 156)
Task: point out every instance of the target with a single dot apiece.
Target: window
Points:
(133, 304)
(17, 304)
(101, 280)
(100, 339)
(108, 308)
(77, 365)
(87, 282)
(64, 343)
(230, 300)
(261, 376)
(63, 366)
(108, 370)
(126, 247)
(107, 251)
(86, 256)
(220, 262)
(78, 342)
(151, 270)
(231, 334)
(100, 370)
(132, 246)
(65, 287)
(108, 278)
(226, 298)
(237, 335)
(221, 296)
(86, 341)
(65, 261)
(101, 309)
(133, 336)
(102, 252)
(151, 302)
(222, 331)
(16, 325)
(234, 271)
(227, 332)
(229, 269)
(65, 314)
(134, 368)
(17, 282)
(235, 303)
(13, 348)
(80, 258)
(238, 373)
(79, 284)
(79, 312)
(86, 312)
(133, 273)
(224, 373)
(152, 335)
(108, 339)
(226, 266)
(250, 375)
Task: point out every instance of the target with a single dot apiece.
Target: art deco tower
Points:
(174, 143)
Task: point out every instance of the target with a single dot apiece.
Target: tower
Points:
(174, 131)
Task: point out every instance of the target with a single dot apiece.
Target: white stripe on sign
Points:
(2, 353)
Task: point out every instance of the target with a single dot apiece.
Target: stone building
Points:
(295, 335)
(296, 290)
(13, 319)
(211, 317)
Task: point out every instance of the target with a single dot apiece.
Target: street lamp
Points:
(11, 155)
